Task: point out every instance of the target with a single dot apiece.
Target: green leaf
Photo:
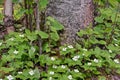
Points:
(99, 19)
(54, 36)
(31, 52)
(6, 70)
(43, 35)
(101, 78)
(43, 4)
(55, 24)
(29, 64)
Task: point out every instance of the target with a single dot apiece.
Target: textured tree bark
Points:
(37, 18)
(8, 16)
(73, 14)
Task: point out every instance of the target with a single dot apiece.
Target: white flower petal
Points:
(116, 44)
(89, 63)
(84, 49)
(31, 72)
(20, 72)
(70, 77)
(15, 52)
(0, 43)
(51, 73)
(70, 46)
(21, 35)
(116, 61)
(110, 51)
(74, 59)
(76, 70)
(52, 58)
(54, 66)
(96, 60)
(63, 66)
(10, 77)
(64, 49)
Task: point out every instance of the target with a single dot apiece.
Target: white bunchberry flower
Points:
(11, 39)
(63, 66)
(70, 46)
(52, 58)
(31, 72)
(1, 79)
(75, 58)
(21, 35)
(76, 70)
(96, 60)
(20, 29)
(116, 61)
(0, 43)
(89, 63)
(54, 66)
(70, 77)
(51, 73)
(85, 49)
(20, 72)
(83, 54)
(10, 77)
(110, 51)
(116, 44)
(15, 52)
(50, 78)
(64, 49)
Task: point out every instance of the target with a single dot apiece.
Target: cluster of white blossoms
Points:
(10, 77)
(96, 60)
(75, 58)
(65, 48)
(51, 73)
(63, 66)
(31, 72)
(76, 70)
(16, 52)
(70, 46)
(54, 66)
(116, 61)
(70, 77)
(20, 72)
(21, 35)
(84, 49)
(0, 43)
(110, 51)
(52, 59)
(89, 63)
(83, 54)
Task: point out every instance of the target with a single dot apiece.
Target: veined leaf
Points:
(55, 24)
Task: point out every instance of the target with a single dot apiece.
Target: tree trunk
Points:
(73, 14)
(8, 16)
(37, 18)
